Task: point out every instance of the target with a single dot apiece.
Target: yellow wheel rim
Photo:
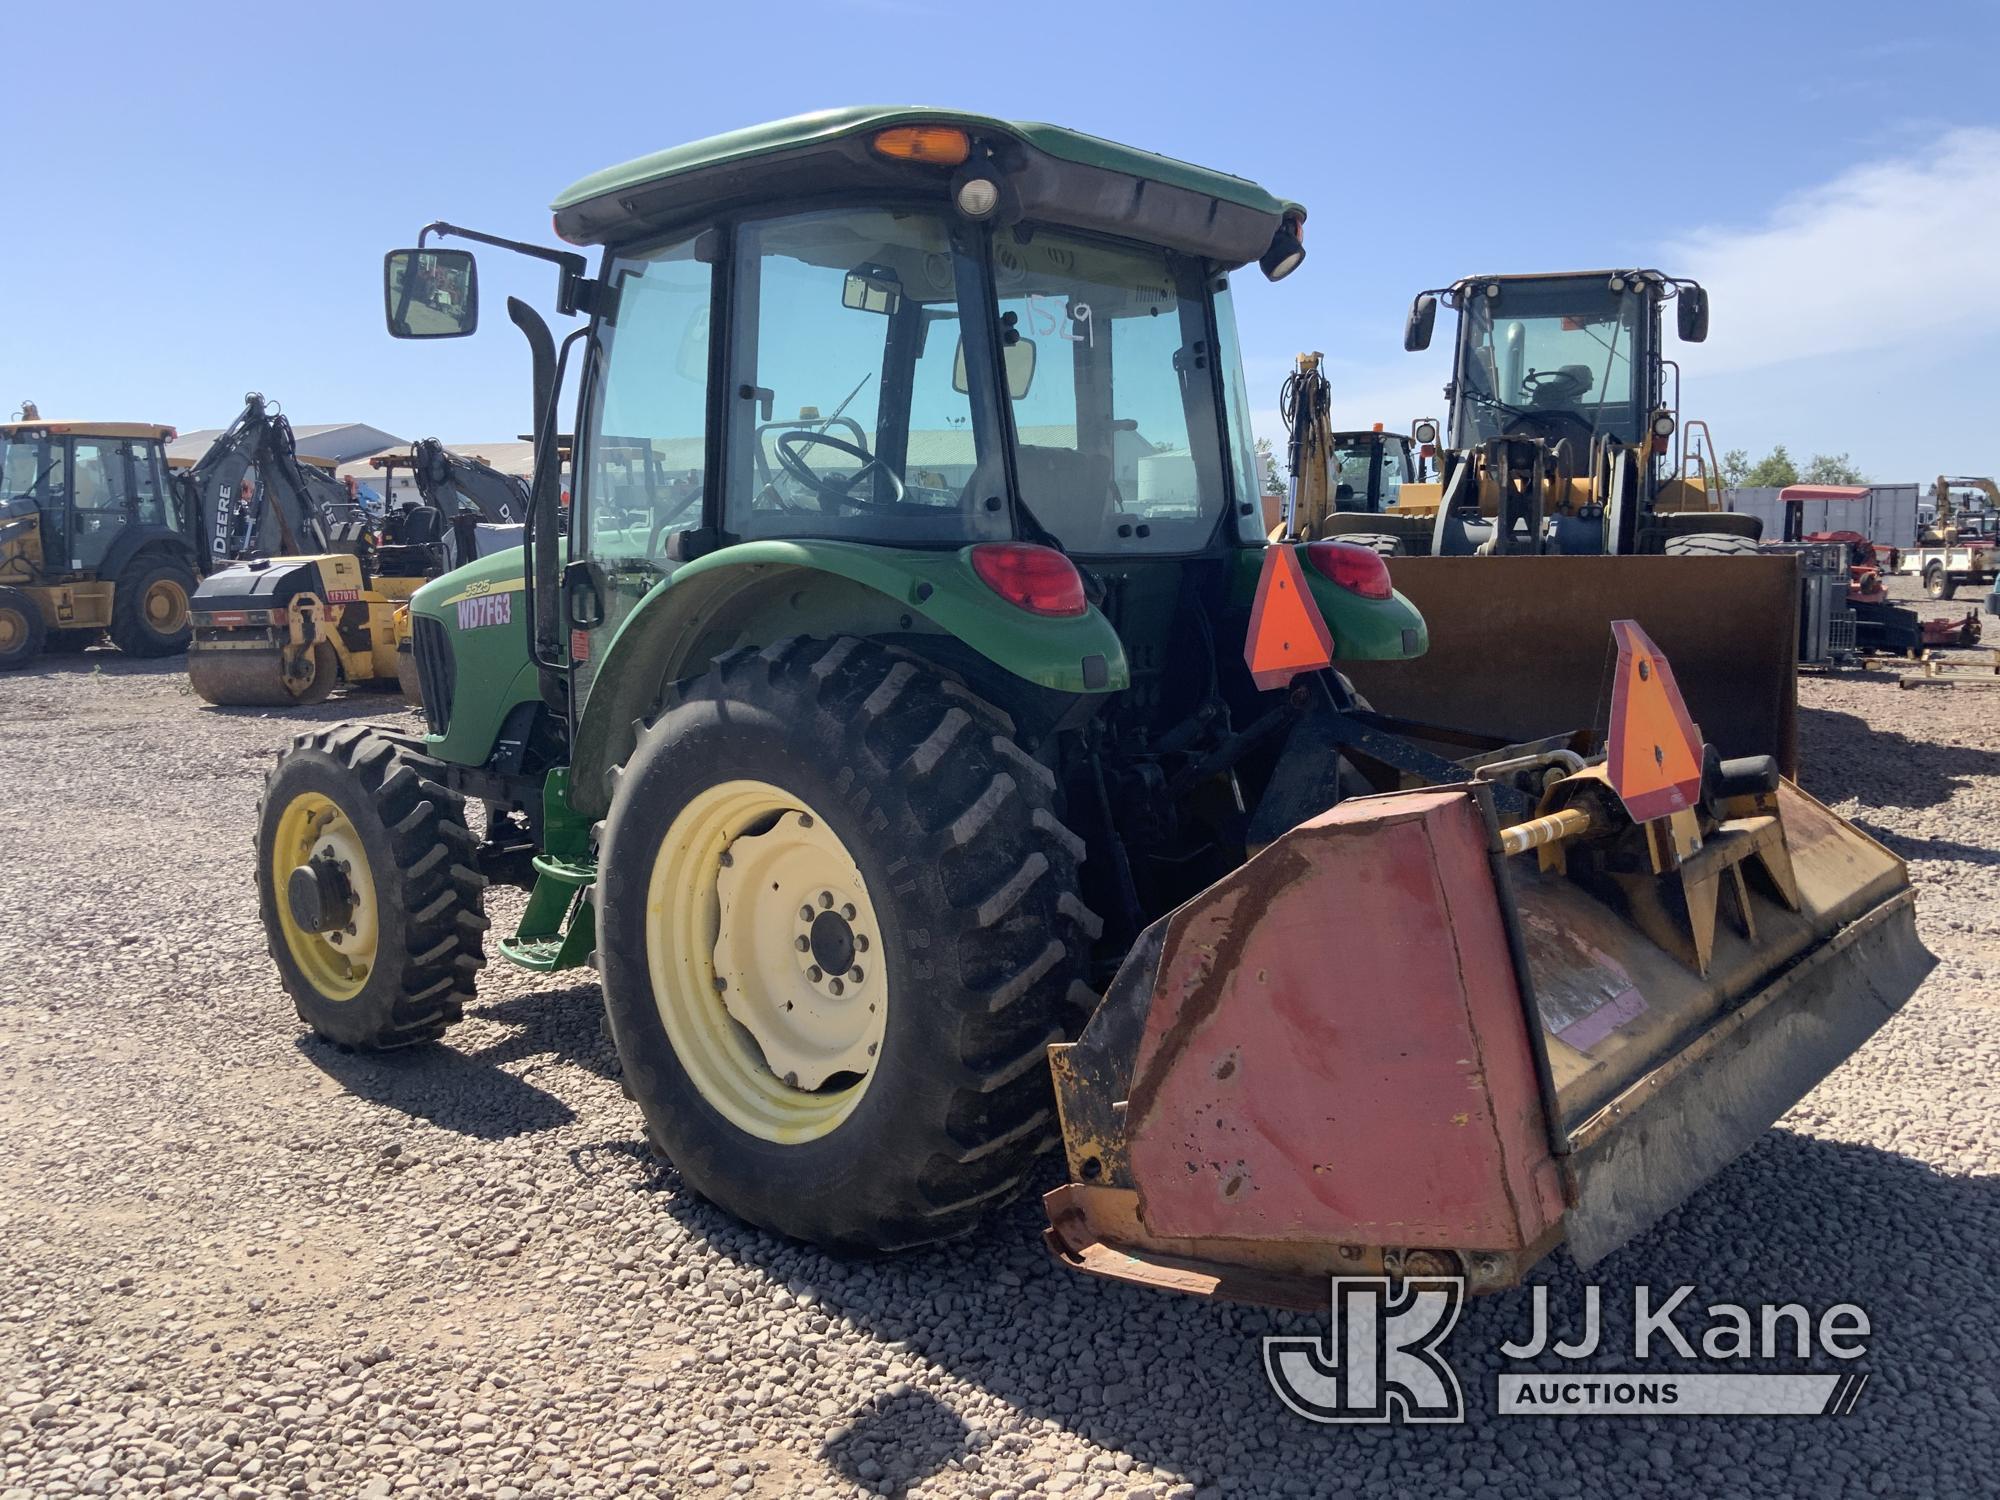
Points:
(765, 956)
(13, 630)
(313, 828)
(165, 606)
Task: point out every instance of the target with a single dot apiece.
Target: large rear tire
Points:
(1711, 544)
(822, 803)
(22, 629)
(151, 609)
(367, 883)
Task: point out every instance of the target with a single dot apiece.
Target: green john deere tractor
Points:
(880, 700)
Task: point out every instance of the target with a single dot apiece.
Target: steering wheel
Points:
(834, 492)
(1553, 387)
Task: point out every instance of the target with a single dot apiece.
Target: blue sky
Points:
(200, 195)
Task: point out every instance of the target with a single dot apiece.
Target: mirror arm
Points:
(575, 291)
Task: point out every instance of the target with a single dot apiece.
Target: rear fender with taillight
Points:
(1009, 602)
(1363, 628)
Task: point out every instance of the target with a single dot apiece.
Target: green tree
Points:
(1833, 468)
(1735, 469)
(1774, 468)
(1274, 482)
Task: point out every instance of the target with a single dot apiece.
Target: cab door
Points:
(641, 471)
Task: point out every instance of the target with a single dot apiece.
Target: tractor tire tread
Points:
(1008, 939)
(440, 898)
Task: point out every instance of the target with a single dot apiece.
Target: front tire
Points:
(22, 629)
(367, 885)
(838, 777)
(151, 609)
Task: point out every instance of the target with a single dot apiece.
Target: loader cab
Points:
(1575, 358)
(89, 488)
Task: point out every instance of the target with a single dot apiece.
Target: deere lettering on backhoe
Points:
(907, 713)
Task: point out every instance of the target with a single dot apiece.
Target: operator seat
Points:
(1071, 494)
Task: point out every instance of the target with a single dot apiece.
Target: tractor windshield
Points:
(1119, 447)
(1552, 358)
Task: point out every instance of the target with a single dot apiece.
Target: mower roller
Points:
(909, 718)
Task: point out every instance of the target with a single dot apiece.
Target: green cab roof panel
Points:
(1059, 174)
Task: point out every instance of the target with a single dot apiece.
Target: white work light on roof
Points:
(978, 197)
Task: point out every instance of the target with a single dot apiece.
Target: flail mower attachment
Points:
(1405, 1039)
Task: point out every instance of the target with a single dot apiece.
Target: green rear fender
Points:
(1389, 629)
(754, 593)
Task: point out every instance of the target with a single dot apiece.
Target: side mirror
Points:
(1691, 313)
(1020, 359)
(1424, 431)
(430, 294)
(1422, 319)
(875, 289)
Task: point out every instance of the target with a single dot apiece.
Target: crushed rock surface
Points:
(239, 1263)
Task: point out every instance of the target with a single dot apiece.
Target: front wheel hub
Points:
(320, 897)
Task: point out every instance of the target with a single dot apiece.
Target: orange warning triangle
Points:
(1654, 758)
(1288, 635)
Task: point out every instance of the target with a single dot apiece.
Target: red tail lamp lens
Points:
(1038, 579)
(1359, 570)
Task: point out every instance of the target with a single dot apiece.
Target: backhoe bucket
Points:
(1517, 644)
(1386, 1046)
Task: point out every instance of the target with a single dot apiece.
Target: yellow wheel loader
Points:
(94, 539)
(1570, 493)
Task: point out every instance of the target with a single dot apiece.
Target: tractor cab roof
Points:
(91, 429)
(1051, 174)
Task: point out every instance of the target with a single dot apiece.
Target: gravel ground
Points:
(239, 1263)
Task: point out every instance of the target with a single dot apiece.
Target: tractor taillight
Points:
(1359, 570)
(933, 145)
(1038, 579)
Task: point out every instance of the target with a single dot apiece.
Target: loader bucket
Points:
(1517, 644)
(1383, 1046)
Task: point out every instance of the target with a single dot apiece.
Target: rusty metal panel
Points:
(1520, 647)
(1335, 1049)
(1680, 1124)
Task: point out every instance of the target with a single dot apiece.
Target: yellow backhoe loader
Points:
(94, 538)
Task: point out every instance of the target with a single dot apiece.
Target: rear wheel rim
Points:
(13, 630)
(763, 946)
(165, 607)
(337, 964)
